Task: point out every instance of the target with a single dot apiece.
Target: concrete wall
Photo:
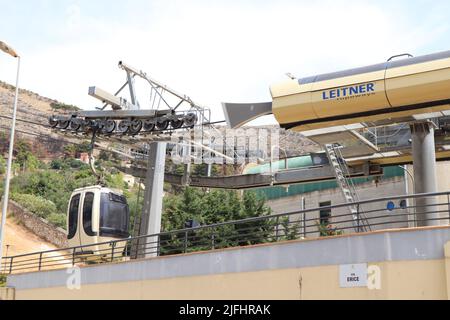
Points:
(369, 190)
(40, 227)
(7, 293)
(412, 264)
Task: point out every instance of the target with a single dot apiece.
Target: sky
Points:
(213, 51)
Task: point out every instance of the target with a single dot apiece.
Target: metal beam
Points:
(249, 181)
(117, 114)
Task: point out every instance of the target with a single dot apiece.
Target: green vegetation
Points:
(24, 157)
(63, 106)
(74, 150)
(67, 164)
(2, 165)
(328, 230)
(213, 207)
(45, 190)
(2, 280)
(38, 205)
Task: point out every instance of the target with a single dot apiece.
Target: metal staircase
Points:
(347, 186)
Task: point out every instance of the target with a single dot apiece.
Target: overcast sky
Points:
(214, 51)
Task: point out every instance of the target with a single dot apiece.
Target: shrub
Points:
(57, 219)
(63, 106)
(57, 164)
(37, 205)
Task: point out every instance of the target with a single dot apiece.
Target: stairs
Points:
(347, 187)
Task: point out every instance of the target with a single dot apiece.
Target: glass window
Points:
(114, 216)
(87, 213)
(73, 216)
(325, 214)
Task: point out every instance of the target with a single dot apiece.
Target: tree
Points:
(56, 186)
(57, 164)
(70, 151)
(211, 208)
(202, 170)
(22, 150)
(25, 157)
(31, 163)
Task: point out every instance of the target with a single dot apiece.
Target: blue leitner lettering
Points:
(348, 91)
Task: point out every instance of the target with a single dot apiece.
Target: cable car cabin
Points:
(96, 215)
(394, 89)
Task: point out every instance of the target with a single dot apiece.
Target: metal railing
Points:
(402, 213)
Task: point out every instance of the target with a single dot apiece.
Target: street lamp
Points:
(7, 49)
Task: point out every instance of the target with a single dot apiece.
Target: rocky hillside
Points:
(32, 113)
(293, 144)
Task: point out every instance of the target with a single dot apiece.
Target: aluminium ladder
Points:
(346, 185)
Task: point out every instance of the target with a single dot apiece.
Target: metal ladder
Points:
(138, 215)
(346, 185)
(136, 244)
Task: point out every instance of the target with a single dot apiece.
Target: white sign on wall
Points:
(353, 275)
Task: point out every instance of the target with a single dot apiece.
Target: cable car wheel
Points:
(123, 126)
(149, 125)
(177, 124)
(86, 125)
(109, 126)
(63, 124)
(135, 126)
(162, 124)
(75, 124)
(190, 120)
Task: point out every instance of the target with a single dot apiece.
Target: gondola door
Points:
(87, 224)
(73, 214)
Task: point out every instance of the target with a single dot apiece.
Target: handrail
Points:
(69, 253)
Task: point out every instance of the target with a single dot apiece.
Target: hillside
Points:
(21, 241)
(32, 110)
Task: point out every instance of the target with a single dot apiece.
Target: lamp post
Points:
(7, 49)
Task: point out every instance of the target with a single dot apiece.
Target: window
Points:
(114, 216)
(87, 214)
(325, 214)
(73, 216)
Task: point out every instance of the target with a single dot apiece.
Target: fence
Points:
(376, 214)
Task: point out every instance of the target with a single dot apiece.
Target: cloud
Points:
(222, 51)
